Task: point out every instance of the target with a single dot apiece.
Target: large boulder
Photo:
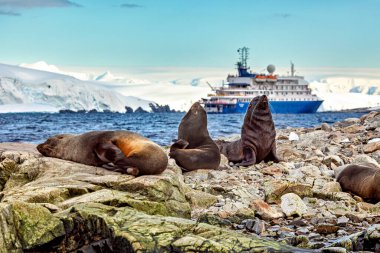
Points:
(64, 183)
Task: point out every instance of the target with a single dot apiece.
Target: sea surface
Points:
(159, 127)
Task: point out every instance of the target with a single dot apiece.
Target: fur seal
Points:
(194, 148)
(121, 151)
(362, 180)
(257, 142)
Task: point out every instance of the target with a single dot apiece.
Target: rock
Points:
(197, 176)
(325, 228)
(223, 162)
(264, 210)
(317, 139)
(342, 221)
(359, 159)
(213, 219)
(200, 199)
(63, 183)
(293, 137)
(133, 231)
(275, 169)
(374, 140)
(333, 159)
(367, 240)
(310, 170)
(330, 187)
(371, 147)
(353, 129)
(326, 127)
(275, 189)
(7, 167)
(256, 226)
(292, 205)
(288, 154)
(348, 122)
(35, 225)
(334, 250)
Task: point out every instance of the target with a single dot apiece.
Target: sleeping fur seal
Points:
(362, 180)
(257, 142)
(121, 151)
(194, 148)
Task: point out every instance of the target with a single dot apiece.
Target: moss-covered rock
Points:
(8, 235)
(35, 225)
(127, 230)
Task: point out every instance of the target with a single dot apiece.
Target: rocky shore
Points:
(51, 205)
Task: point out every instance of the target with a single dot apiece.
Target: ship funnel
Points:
(271, 68)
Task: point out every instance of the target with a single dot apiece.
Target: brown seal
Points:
(121, 151)
(194, 148)
(257, 142)
(362, 180)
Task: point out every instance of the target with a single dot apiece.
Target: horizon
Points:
(147, 34)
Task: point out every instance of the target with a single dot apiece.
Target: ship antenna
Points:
(243, 53)
(292, 70)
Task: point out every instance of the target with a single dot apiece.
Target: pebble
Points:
(342, 221)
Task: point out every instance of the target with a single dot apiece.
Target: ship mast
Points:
(243, 52)
(292, 70)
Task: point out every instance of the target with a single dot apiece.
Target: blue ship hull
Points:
(275, 106)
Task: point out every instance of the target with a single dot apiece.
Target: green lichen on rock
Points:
(128, 230)
(7, 167)
(200, 199)
(35, 225)
(8, 235)
(165, 188)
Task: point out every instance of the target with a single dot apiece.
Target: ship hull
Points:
(285, 107)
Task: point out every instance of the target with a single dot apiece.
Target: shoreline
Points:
(296, 202)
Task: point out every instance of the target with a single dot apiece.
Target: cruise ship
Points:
(286, 94)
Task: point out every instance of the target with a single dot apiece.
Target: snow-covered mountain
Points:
(179, 88)
(342, 93)
(29, 90)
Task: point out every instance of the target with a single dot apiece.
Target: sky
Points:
(191, 33)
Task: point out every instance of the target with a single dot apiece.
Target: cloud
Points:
(22, 4)
(9, 13)
(282, 15)
(131, 6)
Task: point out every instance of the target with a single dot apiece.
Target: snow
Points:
(177, 87)
(13, 108)
(342, 93)
(20, 85)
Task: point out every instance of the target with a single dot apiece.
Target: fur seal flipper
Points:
(257, 142)
(362, 180)
(120, 151)
(194, 148)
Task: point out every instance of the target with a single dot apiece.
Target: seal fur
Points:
(258, 134)
(362, 180)
(121, 151)
(194, 148)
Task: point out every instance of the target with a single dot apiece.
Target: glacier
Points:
(20, 86)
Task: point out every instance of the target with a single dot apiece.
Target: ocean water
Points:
(159, 127)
